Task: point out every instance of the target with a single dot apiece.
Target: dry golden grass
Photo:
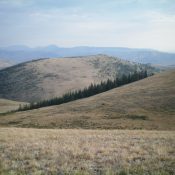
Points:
(8, 105)
(46, 151)
(146, 104)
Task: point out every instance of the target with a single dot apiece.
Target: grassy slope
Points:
(146, 104)
(8, 105)
(43, 79)
(45, 151)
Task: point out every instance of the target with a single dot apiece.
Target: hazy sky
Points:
(119, 23)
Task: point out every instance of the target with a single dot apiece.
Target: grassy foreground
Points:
(47, 151)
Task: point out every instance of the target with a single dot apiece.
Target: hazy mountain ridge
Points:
(46, 78)
(23, 53)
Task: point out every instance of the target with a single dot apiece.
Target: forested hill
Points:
(91, 90)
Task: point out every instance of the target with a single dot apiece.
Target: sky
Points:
(103, 23)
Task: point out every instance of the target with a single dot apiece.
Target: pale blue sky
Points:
(117, 23)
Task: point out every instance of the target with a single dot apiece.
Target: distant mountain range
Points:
(21, 53)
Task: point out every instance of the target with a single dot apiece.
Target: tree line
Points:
(91, 90)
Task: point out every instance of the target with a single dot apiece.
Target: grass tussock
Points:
(137, 117)
(84, 152)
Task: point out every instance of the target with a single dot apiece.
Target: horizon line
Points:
(77, 46)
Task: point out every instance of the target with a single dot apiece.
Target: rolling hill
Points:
(145, 104)
(46, 78)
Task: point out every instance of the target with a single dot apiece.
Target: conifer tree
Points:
(92, 89)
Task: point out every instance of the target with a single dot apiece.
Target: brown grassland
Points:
(8, 105)
(145, 110)
(146, 104)
(52, 151)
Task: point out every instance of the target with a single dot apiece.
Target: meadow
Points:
(77, 151)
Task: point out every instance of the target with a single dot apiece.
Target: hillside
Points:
(46, 78)
(146, 104)
(8, 105)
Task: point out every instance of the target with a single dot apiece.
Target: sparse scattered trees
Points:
(93, 89)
